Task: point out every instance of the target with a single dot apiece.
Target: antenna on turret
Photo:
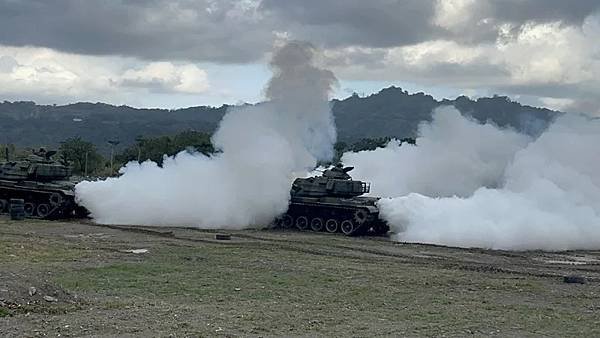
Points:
(6, 153)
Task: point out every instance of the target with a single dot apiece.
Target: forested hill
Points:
(394, 112)
(390, 113)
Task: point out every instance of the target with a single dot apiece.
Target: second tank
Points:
(333, 203)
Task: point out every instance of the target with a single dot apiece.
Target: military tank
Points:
(333, 203)
(44, 184)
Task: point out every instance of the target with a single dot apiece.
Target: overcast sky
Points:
(167, 53)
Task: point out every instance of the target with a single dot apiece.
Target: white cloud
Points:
(557, 103)
(429, 53)
(545, 50)
(557, 63)
(166, 76)
(7, 64)
(41, 71)
(548, 53)
(49, 76)
(454, 14)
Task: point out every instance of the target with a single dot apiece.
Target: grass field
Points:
(273, 283)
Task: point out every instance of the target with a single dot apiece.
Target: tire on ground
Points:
(17, 209)
(574, 279)
(222, 237)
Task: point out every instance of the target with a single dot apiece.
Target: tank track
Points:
(41, 204)
(350, 221)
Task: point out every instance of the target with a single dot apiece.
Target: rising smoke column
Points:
(248, 181)
(492, 188)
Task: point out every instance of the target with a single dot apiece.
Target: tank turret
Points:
(338, 172)
(333, 202)
(39, 166)
(333, 182)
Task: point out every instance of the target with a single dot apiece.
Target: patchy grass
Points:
(30, 250)
(4, 312)
(284, 288)
(333, 295)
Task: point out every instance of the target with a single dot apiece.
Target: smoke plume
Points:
(472, 185)
(248, 181)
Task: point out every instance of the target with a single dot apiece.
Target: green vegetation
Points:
(86, 160)
(252, 284)
(365, 144)
(363, 123)
(12, 151)
(83, 156)
(392, 112)
(4, 312)
(43, 252)
(155, 148)
(278, 284)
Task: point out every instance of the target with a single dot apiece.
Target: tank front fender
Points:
(372, 209)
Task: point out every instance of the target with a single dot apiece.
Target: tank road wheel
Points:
(316, 224)
(274, 224)
(302, 223)
(29, 209)
(55, 199)
(3, 205)
(381, 229)
(287, 221)
(43, 210)
(347, 227)
(360, 216)
(331, 225)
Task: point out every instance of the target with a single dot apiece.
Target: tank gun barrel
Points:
(49, 154)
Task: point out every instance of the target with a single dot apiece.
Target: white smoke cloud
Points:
(454, 156)
(479, 186)
(248, 181)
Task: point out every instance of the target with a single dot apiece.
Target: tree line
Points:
(86, 160)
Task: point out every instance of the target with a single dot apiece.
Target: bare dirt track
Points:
(79, 279)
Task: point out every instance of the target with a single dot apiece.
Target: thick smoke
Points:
(454, 156)
(248, 181)
(473, 185)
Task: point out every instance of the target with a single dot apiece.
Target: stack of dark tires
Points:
(17, 209)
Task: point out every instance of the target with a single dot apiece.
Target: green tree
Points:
(364, 144)
(82, 155)
(9, 149)
(156, 147)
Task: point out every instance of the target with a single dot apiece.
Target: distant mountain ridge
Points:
(392, 112)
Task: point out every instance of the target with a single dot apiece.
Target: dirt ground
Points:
(78, 279)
